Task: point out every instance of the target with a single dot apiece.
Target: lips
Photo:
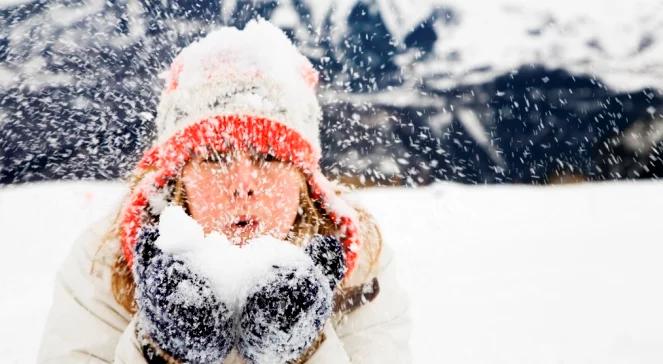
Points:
(246, 223)
(245, 219)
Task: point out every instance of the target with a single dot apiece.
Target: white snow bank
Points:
(513, 274)
(502, 274)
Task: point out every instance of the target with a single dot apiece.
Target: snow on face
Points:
(242, 196)
(232, 269)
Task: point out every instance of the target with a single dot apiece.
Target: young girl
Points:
(237, 151)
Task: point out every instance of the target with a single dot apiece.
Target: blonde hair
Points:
(311, 219)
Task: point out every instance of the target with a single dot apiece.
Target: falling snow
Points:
(411, 94)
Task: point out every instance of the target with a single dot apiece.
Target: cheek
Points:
(280, 200)
(207, 196)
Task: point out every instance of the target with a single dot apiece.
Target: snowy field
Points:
(502, 274)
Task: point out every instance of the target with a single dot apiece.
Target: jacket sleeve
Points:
(85, 323)
(377, 332)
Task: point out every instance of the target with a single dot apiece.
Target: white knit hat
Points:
(255, 71)
(237, 89)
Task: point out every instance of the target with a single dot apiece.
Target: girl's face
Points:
(242, 196)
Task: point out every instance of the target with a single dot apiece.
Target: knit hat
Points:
(236, 89)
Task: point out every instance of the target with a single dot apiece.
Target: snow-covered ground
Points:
(501, 274)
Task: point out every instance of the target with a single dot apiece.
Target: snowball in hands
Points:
(232, 270)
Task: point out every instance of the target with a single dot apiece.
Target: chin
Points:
(241, 239)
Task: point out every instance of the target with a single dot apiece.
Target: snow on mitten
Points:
(284, 313)
(176, 306)
(327, 253)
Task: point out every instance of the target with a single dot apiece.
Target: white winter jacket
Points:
(87, 325)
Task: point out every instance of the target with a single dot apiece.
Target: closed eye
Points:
(216, 158)
(264, 157)
(268, 157)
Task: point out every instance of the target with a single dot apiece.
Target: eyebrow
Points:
(215, 156)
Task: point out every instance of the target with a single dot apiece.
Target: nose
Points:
(238, 193)
(245, 183)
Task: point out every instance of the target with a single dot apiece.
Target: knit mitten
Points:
(327, 254)
(285, 313)
(176, 306)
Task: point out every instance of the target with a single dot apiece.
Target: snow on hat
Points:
(237, 89)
